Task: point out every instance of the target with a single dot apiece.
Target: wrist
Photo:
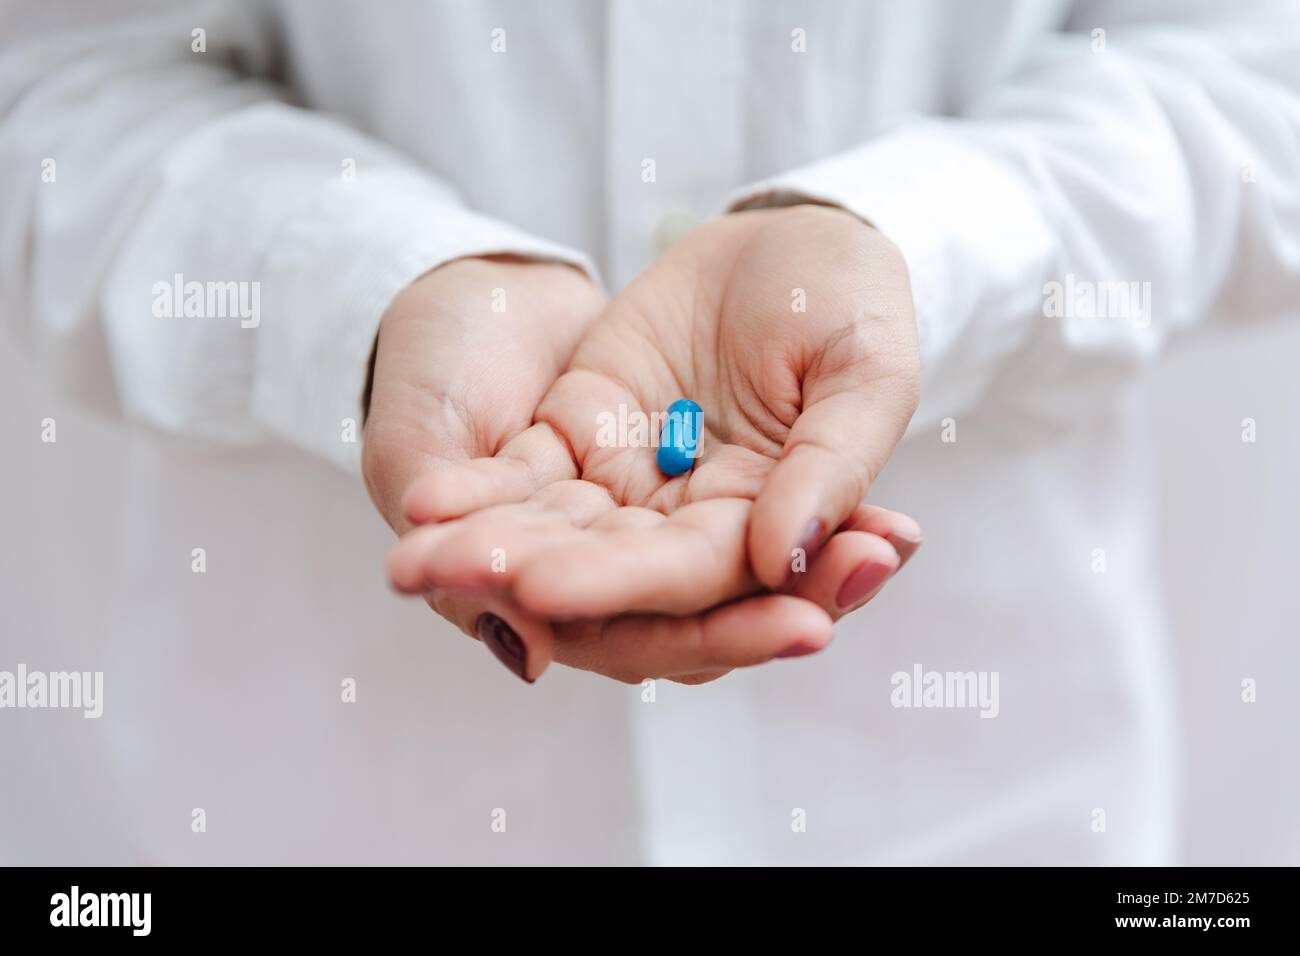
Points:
(507, 285)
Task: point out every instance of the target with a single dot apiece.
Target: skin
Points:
(482, 444)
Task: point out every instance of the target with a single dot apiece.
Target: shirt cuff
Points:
(328, 277)
(970, 228)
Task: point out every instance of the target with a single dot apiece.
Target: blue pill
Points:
(679, 442)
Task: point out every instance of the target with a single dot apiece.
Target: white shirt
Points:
(332, 152)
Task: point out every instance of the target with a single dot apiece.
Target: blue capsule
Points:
(679, 443)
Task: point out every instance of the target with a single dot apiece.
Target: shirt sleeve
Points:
(141, 172)
(1136, 176)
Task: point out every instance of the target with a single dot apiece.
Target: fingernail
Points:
(809, 543)
(504, 643)
(905, 545)
(868, 576)
(801, 649)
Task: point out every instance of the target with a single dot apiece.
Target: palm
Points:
(675, 333)
(572, 526)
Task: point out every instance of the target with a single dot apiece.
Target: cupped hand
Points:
(793, 329)
(463, 357)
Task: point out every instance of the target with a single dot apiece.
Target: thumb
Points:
(837, 446)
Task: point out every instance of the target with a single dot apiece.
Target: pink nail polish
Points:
(801, 649)
(868, 576)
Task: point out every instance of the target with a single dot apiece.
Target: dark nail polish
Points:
(505, 645)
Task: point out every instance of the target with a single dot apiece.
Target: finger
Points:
(407, 562)
(743, 634)
(834, 451)
(849, 571)
(858, 560)
(450, 488)
(894, 526)
(636, 560)
(484, 552)
(700, 677)
(690, 561)
(524, 645)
